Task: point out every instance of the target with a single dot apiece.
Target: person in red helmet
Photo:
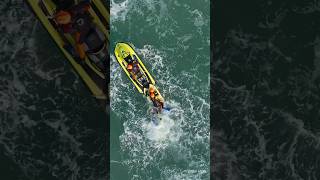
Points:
(152, 96)
(129, 67)
(75, 21)
(151, 91)
(156, 98)
(130, 70)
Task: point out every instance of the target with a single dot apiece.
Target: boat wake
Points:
(166, 128)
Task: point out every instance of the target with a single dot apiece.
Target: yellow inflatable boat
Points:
(135, 69)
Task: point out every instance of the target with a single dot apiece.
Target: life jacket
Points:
(80, 20)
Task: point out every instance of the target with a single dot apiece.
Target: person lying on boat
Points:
(157, 102)
(156, 98)
(147, 89)
(77, 22)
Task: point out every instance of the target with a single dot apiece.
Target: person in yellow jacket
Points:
(155, 97)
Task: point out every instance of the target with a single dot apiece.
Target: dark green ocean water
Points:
(266, 90)
(172, 39)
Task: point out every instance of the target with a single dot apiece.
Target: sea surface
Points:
(266, 90)
(172, 38)
(51, 128)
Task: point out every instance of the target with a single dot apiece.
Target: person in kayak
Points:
(77, 22)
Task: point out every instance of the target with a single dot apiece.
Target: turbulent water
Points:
(266, 90)
(172, 39)
(50, 126)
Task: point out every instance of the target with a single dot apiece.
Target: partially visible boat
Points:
(94, 70)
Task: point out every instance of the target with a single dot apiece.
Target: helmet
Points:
(63, 17)
(129, 67)
(151, 89)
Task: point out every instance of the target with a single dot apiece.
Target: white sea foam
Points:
(119, 10)
(160, 130)
(167, 130)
